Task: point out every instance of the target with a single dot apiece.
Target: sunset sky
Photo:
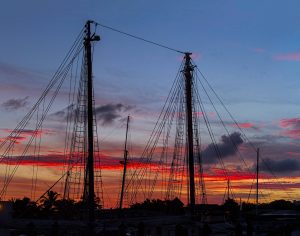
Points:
(249, 51)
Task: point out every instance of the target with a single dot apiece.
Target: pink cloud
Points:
(258, 50)
(293, 153)
(288, 57)
(291, 122)
(246, 125)
(291, 126)
(295, 134)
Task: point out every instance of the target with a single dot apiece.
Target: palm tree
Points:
(49, 202)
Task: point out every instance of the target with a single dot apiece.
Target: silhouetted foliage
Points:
(174, 206)
(232, 209)
(247, 206)
(48, 203)
(281, 205)
(51, 206)
(25, 208)
(66, 208)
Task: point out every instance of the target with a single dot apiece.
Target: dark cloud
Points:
(227, 147)
(15, 104)
(280, 166)
(105, 114)
(108, 113)
(62, 115)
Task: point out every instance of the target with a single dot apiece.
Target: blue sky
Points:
(248, 50)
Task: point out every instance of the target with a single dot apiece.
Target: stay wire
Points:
(223, 124)
(229, 113)
(139, 38)
(139, 173)
(231, 116)
(20, 126)
(64, 74)
(212, 136)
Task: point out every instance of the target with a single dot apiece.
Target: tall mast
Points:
(90, 124)
(125, 164)
(228, 187)
(188, 68)
(257, 170)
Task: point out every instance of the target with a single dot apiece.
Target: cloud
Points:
(280, 166)
(294, 154)
(13, 71)
(258, 50)
(63, 114)
(105, 114)
(60, 160)
(24, 134)
(288, 57)
(291, 126)
(294, 134)
(15, 104)
(227, 147)
(108, 113)
(292, 122)
(16, 80)
(246, 125)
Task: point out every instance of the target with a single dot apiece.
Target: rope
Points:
(139, 38)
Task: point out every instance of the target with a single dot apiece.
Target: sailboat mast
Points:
(90, 162)
(257, 170)
(125, 164)
(228, 189)
(189, 117)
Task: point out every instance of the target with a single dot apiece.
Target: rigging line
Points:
(121, 125)
(100, 189)
(229, 113)
(139, 38)
(223, 124)
(211, 134)
(57, 181)
(38, 126)
(70, 115)
(148, 151)
(250, 190)
(36, 155)
(271, 171)
(176, 166)
(236, 123)
(165, 119)
(168, 122)
(18, 129)
(137, 172)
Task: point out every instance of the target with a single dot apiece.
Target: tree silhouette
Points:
(231, 208)
(49, 202)
(25, 208)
